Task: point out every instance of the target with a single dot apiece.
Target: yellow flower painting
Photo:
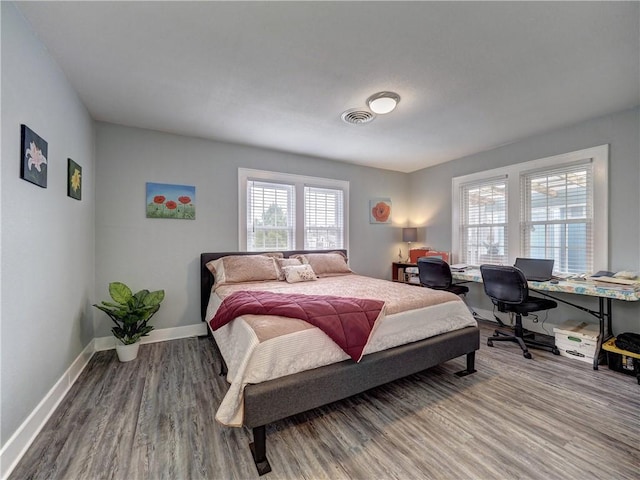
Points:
(74, 180)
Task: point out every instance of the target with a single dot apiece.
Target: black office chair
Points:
(435, 273)
(507, 288)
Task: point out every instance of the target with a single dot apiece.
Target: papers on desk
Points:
(458, 267)
(621, 278)
(616, 281)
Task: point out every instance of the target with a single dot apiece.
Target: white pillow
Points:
(285, 262)
(299, 273)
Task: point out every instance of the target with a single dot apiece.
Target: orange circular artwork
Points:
(381, 212)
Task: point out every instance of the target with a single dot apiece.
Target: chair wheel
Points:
(526, 354)
(489, 343)
(555, 351)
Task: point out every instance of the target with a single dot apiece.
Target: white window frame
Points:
(299, 182)
(329, 224)
(600, 160)
(477, 224)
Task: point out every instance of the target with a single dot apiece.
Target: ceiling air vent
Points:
(357, 117)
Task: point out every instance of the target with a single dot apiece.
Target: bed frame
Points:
(282, 397)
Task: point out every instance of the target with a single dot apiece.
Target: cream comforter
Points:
(260, 348)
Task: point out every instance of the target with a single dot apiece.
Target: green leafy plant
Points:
(131, 312)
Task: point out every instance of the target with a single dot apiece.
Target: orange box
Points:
(416, 253)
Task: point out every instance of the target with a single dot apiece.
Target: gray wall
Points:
(58, 254)
(431, 198)
(47, 237)
(161, 253)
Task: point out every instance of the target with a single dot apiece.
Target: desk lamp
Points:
(409, 235)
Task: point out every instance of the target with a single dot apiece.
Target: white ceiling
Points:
(472, 75)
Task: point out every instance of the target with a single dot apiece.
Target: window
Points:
(270, 216)
(557, 216)
(483, 230)
(323, 218)
(553, 208)
(280, 211)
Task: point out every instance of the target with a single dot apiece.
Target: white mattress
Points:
(251, 361)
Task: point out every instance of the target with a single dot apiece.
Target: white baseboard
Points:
(161, 335)
(17, 445)
(543, 328)
(13, 450)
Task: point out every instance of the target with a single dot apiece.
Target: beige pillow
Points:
(243, 268)
(326, 264)
(286, 262)
(299, 273)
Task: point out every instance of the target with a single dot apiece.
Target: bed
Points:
(255, 399)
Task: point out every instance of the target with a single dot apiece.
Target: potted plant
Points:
(131, 314)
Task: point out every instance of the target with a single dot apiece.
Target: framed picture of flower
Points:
(74, 180)
(165, 200)
(33, 157)
(380, 210)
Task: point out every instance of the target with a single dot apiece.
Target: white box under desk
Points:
(577, 340)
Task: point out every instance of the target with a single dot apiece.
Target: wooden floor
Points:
(545, 418)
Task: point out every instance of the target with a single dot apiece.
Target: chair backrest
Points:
(504, 284)
(434, 273)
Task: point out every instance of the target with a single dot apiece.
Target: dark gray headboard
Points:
(206, 278)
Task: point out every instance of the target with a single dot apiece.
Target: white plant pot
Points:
(126, 353)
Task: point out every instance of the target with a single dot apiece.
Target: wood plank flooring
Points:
(545, 418)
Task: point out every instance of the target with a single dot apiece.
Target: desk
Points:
(604, 294)
(397, 270)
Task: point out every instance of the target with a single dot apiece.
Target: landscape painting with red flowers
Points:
(171, 201)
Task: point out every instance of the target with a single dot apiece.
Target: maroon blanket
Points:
(347, 321)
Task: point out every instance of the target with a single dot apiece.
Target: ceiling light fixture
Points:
(383, 102)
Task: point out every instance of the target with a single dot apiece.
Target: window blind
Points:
(557, 216)
(483, 222)
(270, 216)
(323, 218)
